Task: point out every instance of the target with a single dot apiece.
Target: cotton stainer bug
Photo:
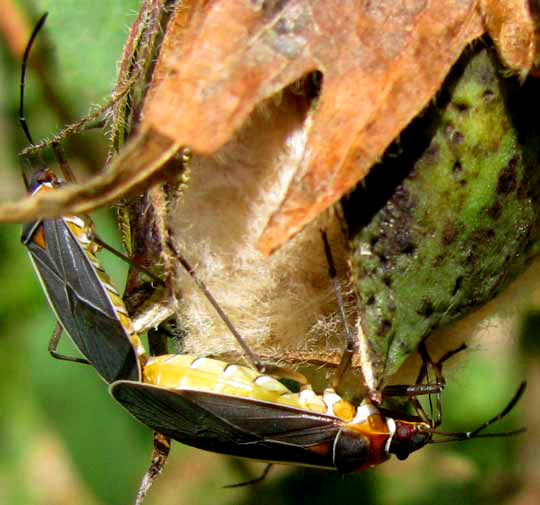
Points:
(234, 410)
(242, 412)
(81, 294)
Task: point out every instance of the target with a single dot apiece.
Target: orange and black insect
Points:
(234, 410)
(81, 294)
(244, 412)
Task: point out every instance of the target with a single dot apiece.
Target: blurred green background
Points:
(64, 440)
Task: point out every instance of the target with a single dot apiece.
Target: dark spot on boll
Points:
(430, 156)
(438, 260)
(449, 234)
(283, 27)
(382, 258)
(402, 200)
(457, 285)
(476, 243)
(454, 136)
(457, 138)
(401, 242)
(457, 167)
(404, 347)
(485, 75)
(384, 328)
(488, 95)
(507, 181)
(523, 190)
(426, 310)
(460, 106)
(495, 211)
(409, 249)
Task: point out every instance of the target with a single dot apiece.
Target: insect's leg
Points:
(157, 342)
(62, 162)
(53, 345)
(260, 478)
(349, 350)
(411, 392)
(253, 360)
(436, 366)
(418, 389)
(428, 363)
(87, 122)
(408, 391)
(127, 259)
(162, 447)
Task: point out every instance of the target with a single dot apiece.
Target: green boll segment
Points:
(446, 224)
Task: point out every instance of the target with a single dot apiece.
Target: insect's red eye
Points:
(404, 431)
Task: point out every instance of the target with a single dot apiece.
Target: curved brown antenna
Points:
(457, 436)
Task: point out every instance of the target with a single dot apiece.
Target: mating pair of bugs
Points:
(236, 410)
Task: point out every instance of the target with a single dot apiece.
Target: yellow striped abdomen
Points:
(204, 374)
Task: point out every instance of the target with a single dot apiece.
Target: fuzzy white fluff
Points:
(282, 302)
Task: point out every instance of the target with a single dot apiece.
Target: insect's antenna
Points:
(27, 50)
(347, 355)
(477, 432)
(22, 118)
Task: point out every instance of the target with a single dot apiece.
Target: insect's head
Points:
(43, 177)
(409, 436)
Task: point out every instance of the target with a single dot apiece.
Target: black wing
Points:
(80, 301)
(233, 425)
